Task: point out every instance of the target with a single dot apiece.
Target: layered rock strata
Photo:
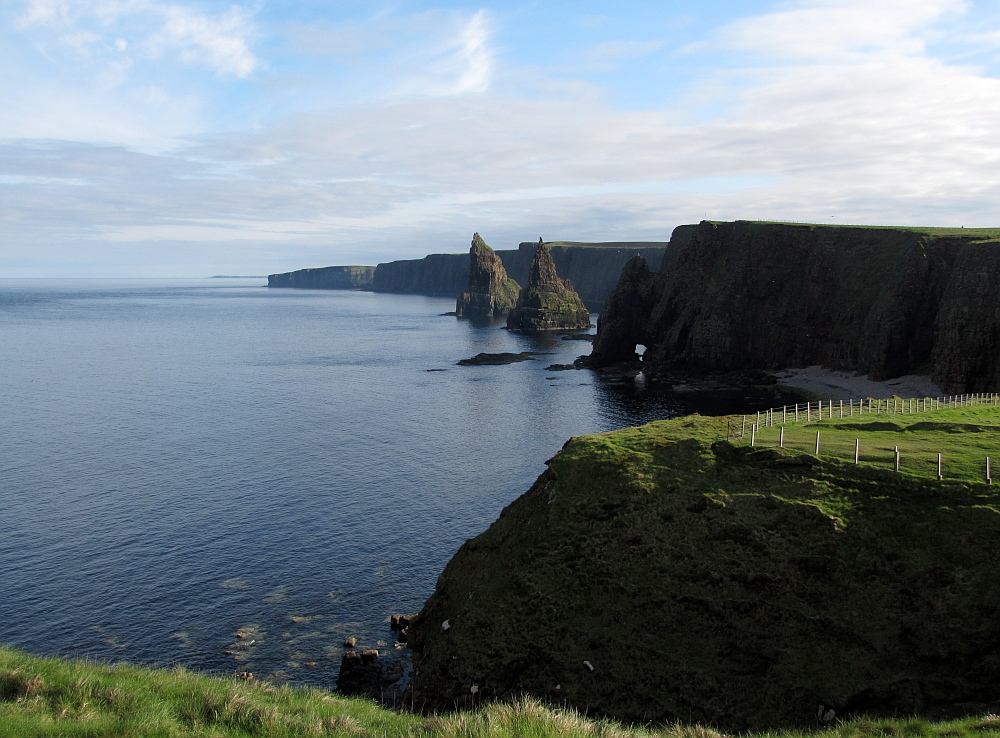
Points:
(547, 302)
(491, 293)
(765, 296)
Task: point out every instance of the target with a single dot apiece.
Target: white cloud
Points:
(474, 55)
(838, 111)
(219, 41)
(829, 30)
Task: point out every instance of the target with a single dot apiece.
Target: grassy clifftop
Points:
(662, 573)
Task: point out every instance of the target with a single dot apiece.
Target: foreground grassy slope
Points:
(53, 697)
(662, 573)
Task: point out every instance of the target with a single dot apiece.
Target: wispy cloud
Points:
(220, 41)
(819, 110)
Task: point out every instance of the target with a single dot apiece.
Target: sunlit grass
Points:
(43, 697)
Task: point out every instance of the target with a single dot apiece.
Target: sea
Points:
(231, 478)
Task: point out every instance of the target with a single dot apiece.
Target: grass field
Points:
(965, 436)
(44, 697)
(943, 232)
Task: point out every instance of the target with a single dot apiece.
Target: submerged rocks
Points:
(491, 294)
(547, 303)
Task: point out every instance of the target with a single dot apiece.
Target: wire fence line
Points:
(811, 412)
(768, 427)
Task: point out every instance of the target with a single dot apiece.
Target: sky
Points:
(148, 138)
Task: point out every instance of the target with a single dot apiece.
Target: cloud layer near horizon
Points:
(218, 147)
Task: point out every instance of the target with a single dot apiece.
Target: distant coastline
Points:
(238, 276)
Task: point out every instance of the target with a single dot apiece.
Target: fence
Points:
(769, 427)
(811, 412)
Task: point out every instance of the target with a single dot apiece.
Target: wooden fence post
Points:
(781, 444)
(857, 449)
(753, 434)
(897, 458)
(817, 443)
(940, 475)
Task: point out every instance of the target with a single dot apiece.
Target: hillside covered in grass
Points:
(665, 573)
(45, 698)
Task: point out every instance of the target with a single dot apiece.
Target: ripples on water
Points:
(182, 459)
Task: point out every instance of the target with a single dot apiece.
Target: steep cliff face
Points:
(880, 301)
(325, 278)
(443, 275)
(491, 293)
(592, 268)
(655, 574)
(547, 302)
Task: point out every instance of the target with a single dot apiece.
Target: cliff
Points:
(766, 296)
(325, 278)
(593, 269)
(491, 293)
(661, 574)
(547, 302)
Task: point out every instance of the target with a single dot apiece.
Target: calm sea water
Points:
(182, 459)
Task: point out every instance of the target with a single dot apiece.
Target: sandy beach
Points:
(827, 384)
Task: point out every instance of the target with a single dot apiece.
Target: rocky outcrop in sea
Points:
(547, 303)
(491, 293)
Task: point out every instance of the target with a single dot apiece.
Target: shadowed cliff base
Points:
(883, 302)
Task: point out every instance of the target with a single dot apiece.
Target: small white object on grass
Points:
(589, 665)
(445, 625)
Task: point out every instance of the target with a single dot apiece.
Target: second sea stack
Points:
(491, 293)
(547, 303)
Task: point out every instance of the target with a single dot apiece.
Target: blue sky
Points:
(157, 138)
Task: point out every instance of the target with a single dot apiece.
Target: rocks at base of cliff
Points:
(547, 303)
(370, 674)
(491, 293)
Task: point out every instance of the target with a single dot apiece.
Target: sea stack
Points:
(547, 303)
(492, 294)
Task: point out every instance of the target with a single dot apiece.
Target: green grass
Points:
(42, 697)
(964, 436)
(946, 231)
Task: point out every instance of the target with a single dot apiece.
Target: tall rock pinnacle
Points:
(548, 303)
(491, 293)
